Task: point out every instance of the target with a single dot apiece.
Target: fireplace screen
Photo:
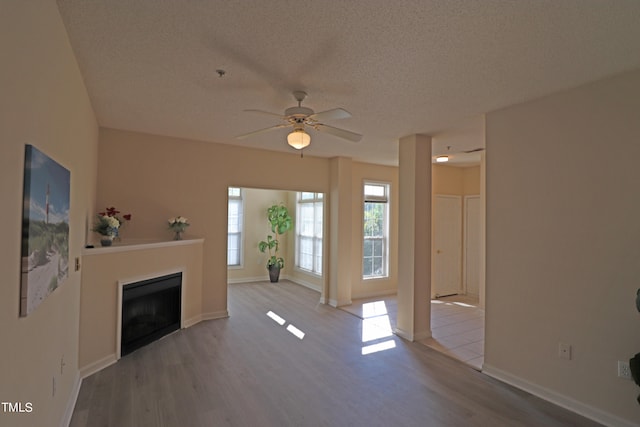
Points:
(150, 310)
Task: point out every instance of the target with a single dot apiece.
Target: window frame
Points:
(385, 200)
(240, 234)
(317, 240)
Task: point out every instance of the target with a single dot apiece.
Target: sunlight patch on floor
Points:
(375, 328)
(295, 331)
(376, 325)
(372, 309)
(374, 348)
(463, 304)
(279, 320)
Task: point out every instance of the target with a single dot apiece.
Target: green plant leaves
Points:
(280, 222)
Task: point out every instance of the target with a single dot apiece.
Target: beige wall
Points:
(142, 185)
(44, 103)
(471, 181)
(452, 180)
(447, 180)
(153, 183)
(563, 245)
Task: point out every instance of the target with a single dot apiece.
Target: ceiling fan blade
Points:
(474, 150)
(340, 133)
(266, 113)
(257, 132)
(334, 114)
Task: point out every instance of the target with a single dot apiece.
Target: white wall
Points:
(44, 103)
(563, 245)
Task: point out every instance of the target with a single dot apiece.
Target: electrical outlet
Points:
(77, 263)
(564, 351)
(623, 370)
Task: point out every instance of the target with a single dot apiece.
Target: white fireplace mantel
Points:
(137, 245)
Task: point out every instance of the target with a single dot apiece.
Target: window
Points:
(375, 247)
(234, 227)
(309, 232)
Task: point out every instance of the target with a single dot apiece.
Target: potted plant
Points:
(280, 222)
(108, 224)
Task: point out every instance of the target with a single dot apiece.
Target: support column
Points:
(414, 234)
(483, 231)
(340, 225)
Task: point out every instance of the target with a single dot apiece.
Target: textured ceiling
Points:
(401, 68)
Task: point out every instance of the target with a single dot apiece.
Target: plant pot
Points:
(274, 273)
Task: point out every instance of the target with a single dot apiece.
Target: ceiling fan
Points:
(301, 118)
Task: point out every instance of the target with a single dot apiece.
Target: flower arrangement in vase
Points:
(108, 224)
(178, 224)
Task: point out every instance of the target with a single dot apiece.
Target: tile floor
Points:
(457, 329)
(457, 325)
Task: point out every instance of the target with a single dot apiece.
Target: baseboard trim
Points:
(412, 336)
(248, 279)
(98, 365)
(561, 400)
(377, 294)
(306, 284)
(215, 315)
(187, 323)
(335, 303)
(422, 335)
(71, 403)
(404, 334)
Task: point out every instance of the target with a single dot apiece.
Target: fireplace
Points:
(150, 310)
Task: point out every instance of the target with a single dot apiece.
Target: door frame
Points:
(465, 240)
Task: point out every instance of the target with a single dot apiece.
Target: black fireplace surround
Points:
(150, 310)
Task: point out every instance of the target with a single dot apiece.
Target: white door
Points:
(447, 246)
(472, 245)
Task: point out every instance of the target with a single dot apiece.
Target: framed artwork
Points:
(45, 228)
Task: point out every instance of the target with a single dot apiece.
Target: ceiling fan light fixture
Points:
(442, 159)
(299, 139)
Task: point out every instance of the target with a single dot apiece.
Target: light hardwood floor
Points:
(248, 370)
